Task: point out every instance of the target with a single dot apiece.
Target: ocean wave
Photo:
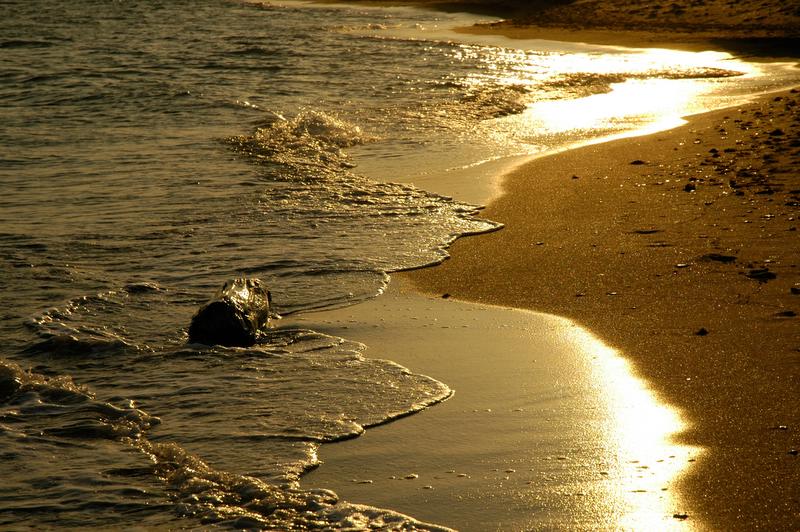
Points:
(39, 412)
(312, 138)
(495, 101)
(244, 502)
(56, 406)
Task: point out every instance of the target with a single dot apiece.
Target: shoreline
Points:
(752, 49)
(665, 246)
(672, 271)
(528, 440)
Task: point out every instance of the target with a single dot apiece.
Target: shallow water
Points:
(152, 151)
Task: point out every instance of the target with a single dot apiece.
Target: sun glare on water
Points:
(597, 96)
(637, 434)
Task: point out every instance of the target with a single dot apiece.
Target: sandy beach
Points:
(680, 249)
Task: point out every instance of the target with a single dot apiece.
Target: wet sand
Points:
(547, 428)
(682, 250)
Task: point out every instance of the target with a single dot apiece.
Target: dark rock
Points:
(638, 162)
(786, 314)
(702, 331)
(445, 296)
(236, 316)
(9, 383)
(795, 290)
(794, 452)
(689, 187)
(762, 275)
(717, 257)
(680, 516)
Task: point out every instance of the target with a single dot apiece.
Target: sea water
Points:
(153, 150)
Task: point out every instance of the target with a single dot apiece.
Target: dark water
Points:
(151, 151)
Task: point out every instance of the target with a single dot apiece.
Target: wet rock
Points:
(236, 316)
(9, 383)
(762, 275)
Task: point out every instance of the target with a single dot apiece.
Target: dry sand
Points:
(681, 249)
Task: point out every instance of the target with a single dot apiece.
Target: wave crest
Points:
(310, 138)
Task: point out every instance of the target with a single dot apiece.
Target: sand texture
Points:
(768, 28)
(682, 250)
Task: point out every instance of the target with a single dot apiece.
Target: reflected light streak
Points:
(647, 90)
(643, 459)
(656, 103)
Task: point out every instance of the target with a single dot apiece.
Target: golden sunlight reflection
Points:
(614, 94)
(638, 438)
(656, 103)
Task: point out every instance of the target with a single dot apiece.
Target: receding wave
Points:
(38, 413)
(244, 502)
